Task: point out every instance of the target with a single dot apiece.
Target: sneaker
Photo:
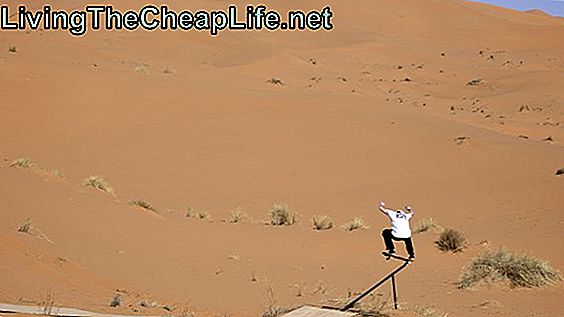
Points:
(391, 252)
(411, 257)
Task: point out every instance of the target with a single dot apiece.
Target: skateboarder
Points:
(400, 230)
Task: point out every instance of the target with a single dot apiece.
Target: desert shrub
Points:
(116, 301)
(475, 82)
(356, 223)
(560, 171)
(12, 49)
(275, 81)
(26, 226)
(57, 173)
(321, 222)
(502, 265)
(461, 139)
(451, 240)
(238, 215)
(282, 215)
(97, 182)
(190, 212)
(141, 204)
(425, 225)
(142, 68)
(202, 214)
(22, 162)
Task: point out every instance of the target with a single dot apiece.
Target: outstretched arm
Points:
(383, 208)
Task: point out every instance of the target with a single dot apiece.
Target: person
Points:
(400, 230)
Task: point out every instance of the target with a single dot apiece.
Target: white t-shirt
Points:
(400, 223)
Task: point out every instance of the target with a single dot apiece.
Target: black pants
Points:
(389, 241)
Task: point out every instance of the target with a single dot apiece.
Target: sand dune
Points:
(452, 106)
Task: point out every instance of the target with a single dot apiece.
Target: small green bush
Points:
(502, 265)
(282, 215)
(451, 240)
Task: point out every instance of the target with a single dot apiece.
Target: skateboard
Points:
(388, 256)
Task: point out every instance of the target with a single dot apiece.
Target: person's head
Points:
(408, 208)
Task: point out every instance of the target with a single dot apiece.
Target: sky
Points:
(554, 7)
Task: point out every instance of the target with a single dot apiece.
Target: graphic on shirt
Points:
(400, 223)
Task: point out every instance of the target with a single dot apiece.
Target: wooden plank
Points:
(309, 311)
(56, 311)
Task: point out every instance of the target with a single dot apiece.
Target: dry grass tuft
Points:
(190, 212)
(429, 311)
(321, 222)
(26, 226)
(116, 301)
(425, 225)
(356, 223)
(238, 215)
(451, 240)
(275, 81)
(202, 215)
(97, 182)
(475, 82)
(282, 215)
(142, 204)
(502, 265)
(22, 162)
(371, 306)
(57, 173)
(275, 311)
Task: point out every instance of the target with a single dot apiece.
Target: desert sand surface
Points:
(456, 108)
